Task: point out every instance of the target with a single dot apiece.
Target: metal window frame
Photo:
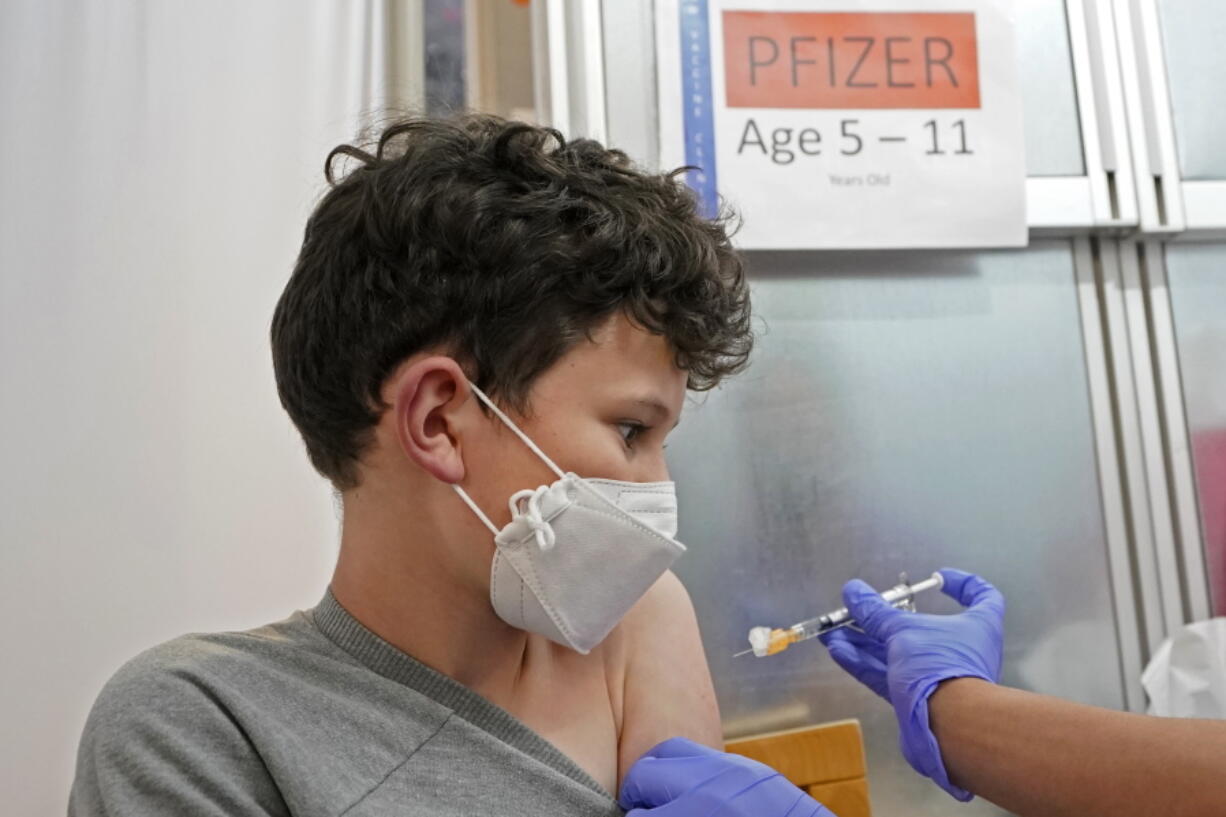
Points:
(1151, 129)
(1146, 474)
(568, 67)
(1104, 134)
(1170, 205)
(1156, 551)
(1114, 427)
(633, 110)
(1146, 272)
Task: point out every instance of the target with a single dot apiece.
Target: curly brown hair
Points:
(505, 244)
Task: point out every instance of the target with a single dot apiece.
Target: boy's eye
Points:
(630, 432)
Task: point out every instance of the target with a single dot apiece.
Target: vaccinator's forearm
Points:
(1044, 757)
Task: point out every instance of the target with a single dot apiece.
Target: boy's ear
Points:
(426, 404)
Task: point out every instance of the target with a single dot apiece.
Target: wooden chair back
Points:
(826, 760)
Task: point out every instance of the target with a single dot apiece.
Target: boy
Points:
(480, 312)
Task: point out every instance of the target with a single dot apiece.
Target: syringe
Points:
(764, 641)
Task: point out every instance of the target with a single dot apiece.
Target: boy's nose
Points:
(656, 470)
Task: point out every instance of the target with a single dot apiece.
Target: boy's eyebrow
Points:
(659, 408)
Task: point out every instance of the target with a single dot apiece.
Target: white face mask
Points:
(579, 553)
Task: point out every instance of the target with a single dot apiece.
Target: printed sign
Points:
(847, 124)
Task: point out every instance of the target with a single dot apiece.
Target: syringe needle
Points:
(742, 652)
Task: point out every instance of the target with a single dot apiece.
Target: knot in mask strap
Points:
(542, 530)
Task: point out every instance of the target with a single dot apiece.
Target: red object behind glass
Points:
(1209, 455)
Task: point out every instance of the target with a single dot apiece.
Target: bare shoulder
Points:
(667, 684)
(665, 612)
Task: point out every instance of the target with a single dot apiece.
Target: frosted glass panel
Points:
(905, 411)
(1197, 277)
(1049, 95)
(1193, 33)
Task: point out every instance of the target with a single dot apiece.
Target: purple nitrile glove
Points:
(680, 778)
(904, 656)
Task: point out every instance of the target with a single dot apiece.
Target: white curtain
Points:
(157, 161)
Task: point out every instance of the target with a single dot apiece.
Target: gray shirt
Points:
(314, 715)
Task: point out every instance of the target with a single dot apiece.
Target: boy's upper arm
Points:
(668, 689)
(157, 743)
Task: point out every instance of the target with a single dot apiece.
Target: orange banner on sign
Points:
(850, 60)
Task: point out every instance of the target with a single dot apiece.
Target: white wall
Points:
(157, 163)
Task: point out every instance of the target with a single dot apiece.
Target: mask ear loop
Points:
(498, 413)
(473, 505)
(522, 436)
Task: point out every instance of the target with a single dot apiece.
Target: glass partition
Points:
(1193, 33)
(1049, 92)
(905, 411)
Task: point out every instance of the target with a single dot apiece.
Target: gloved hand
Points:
(680, 778)
(904, 656)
